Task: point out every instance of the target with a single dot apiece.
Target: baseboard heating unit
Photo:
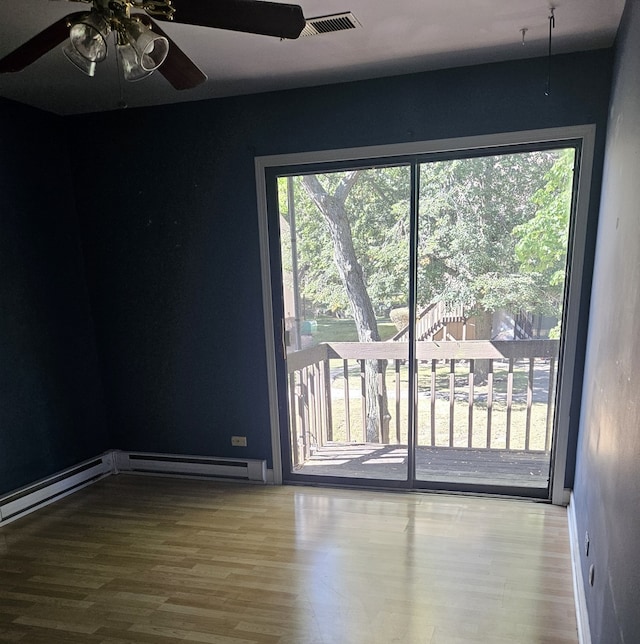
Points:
(27, 499)
(21, 502)
(196, 466)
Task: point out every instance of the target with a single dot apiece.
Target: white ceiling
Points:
(396, 37)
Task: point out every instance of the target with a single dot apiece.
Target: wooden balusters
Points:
(517, 396)
(347, 405)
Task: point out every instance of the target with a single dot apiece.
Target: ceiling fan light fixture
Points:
(133, 22)
(150, 48)
(132, 70)
(89, 36)
(84, 65)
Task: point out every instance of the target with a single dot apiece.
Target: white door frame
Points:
(584, 133)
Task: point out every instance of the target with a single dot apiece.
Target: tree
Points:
(475, 225)
(333, 210)
(468, 210)
(377, 208)
(541, 246)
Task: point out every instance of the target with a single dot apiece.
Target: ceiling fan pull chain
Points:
(122, 104)
(552, 25)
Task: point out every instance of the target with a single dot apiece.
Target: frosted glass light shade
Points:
(84, 65)
(88, 36)
(151, 48)
(131, 68)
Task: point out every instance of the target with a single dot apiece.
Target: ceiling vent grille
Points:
(329, 24)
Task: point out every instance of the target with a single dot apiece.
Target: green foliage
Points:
(512, 292)
(378, 211)
(492, 234)
(541, 241)
(468, 210)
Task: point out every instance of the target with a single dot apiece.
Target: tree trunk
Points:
(484, 321)
(332, 208)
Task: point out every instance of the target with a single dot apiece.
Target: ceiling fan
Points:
(141, 45)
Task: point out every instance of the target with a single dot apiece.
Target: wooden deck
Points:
(443, 464)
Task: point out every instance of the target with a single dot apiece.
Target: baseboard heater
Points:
(27, 499)
(21, 502)
(196, 466)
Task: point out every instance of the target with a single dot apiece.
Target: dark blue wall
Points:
(607, 489)
(171, 228)
(51, 405)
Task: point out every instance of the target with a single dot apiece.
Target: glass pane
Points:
(345, 267)
(492, 255)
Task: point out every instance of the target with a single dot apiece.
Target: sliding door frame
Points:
(582, 137)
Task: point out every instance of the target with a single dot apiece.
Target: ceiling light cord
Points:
(523, 31)
(552, 25)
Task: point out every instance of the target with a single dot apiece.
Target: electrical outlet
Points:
(239, 441)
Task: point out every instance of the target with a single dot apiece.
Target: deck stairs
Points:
(433, 318)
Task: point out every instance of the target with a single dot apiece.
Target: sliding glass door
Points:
(421, 301)
(344, 244)
(493, 234)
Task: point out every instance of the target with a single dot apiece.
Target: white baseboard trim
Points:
(37, 495)
(30, 498)
(582, 614)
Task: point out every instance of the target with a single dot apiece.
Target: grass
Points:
(460, 424)
(335, 330)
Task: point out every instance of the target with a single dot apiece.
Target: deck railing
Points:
(496, 395)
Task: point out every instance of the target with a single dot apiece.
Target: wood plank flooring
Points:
(151, 560)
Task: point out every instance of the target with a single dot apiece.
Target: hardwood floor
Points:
(150, 560)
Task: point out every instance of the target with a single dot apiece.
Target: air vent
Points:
(328, 24)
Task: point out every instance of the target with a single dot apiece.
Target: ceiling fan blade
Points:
(177, 68)
(38, 46)
(251, 16)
